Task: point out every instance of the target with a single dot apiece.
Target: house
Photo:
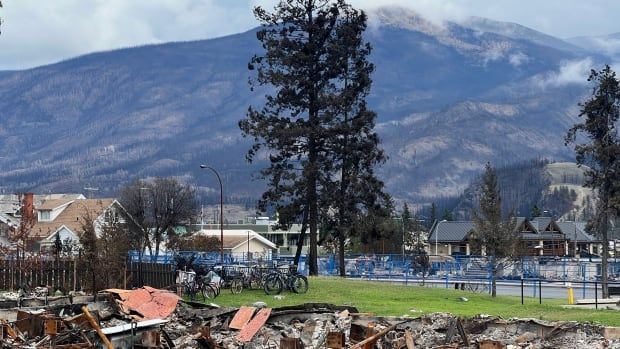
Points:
(12, 210)
(285, 240)
(66, 217)
(541, 236)
(242, 242)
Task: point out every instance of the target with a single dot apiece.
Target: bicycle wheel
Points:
(189, 292)
(216, 286)
(299, 284)
(236, 286)
(208, 292)
(273, 284)
(255, 283)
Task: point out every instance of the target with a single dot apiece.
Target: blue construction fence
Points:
(411, 266)
(210, 259)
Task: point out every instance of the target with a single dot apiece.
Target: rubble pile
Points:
(151, 318)
(327, 326)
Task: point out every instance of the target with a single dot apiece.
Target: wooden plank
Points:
(335, 340)
(291, 343)
(409, 339)
(461, 330)
(249, 330)
(94, 325)
(242, 317)
(370, 332)
(373, 338)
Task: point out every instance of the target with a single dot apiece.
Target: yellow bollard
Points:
(571, 295)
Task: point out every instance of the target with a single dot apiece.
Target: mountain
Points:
(607, 45)
(518, 32)
(555, 188)
(449, 96)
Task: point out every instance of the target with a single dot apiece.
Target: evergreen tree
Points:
(57, 245)
(354, 146)
(89, 252)
(315, 125)
(433, 217)
(536, 212)
(447, 215)
(495, 235)
(601, 154)
(406, 219)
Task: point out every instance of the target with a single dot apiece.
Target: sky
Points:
(36, 32)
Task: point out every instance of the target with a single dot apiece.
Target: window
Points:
(111, 216)
(45, 215)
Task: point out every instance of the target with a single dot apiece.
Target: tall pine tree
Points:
(601, 154)
(494, 234)
(354, 144)
(316, 124)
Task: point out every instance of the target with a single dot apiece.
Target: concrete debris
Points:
(259, 304)
(153, 318)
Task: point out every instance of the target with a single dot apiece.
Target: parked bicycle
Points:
(195, 286)
(231, 277)
(253, 278)
(278, 280)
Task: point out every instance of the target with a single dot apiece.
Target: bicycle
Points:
(232, 277)
(253, 279)
(198, 285)
(277, 280)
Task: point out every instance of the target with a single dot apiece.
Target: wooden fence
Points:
(57, 274)
(151, 274)
(69, 274)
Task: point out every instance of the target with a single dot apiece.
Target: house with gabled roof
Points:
(240, 242)
(65, 217)
(541, 236)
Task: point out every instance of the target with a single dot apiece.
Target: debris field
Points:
(152, 318)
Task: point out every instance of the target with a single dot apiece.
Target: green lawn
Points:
(383, 298)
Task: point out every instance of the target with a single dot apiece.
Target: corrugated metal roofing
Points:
(576, 231)
(541, 223)
(446, 231)
(451, 231)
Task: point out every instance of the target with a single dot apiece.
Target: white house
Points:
(242, 242)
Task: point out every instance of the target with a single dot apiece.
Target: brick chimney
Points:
(28, 206)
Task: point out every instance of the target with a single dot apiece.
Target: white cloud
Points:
(570, 72)
(517, 59)
(610, 46)
(37, 32)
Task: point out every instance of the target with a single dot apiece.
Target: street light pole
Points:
(221, 211)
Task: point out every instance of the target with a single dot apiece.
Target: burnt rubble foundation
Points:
(112, 321)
